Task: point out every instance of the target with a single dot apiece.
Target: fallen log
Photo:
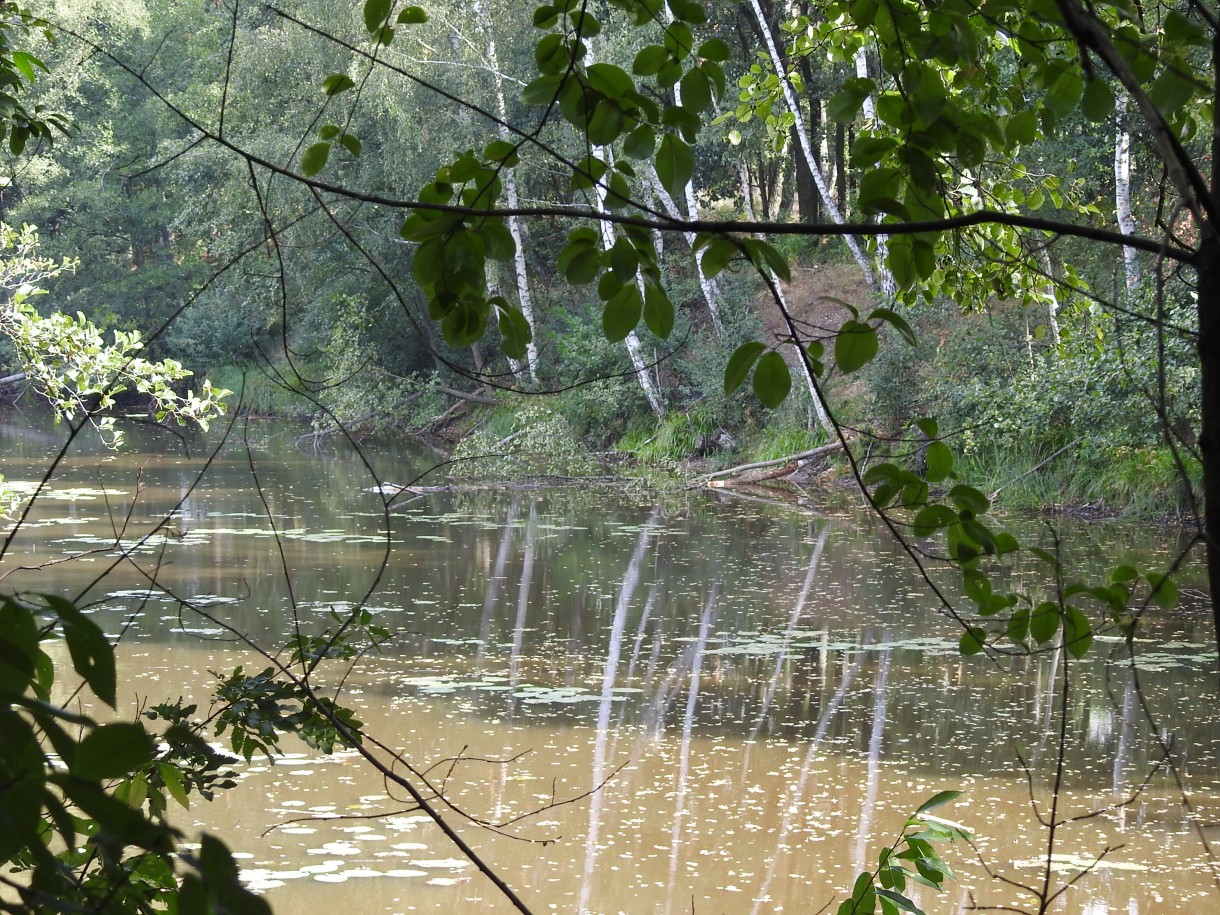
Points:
(473, 397)
(788, 465)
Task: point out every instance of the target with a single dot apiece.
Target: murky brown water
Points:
(764, 694)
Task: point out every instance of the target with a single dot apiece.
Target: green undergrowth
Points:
(523, 439)
(259, 394)
(666, 444)
(1134, 482)
(773, 442)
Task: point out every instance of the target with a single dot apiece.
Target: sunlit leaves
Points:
(336, 83)
(375, 14)
(911, 858)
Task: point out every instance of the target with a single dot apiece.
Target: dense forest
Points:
(1028, 342)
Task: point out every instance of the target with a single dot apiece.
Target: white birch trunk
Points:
(1052, 302)
(886, 278)
(819, 408)
(509, 176)
(1122, 193)
(806, 145)
(747, 190)
(710, 288)
(651, 394)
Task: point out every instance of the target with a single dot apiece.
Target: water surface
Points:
(672, 703)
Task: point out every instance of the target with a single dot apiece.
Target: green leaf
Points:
(855, 345)
(740, 363)
(898, 901)
(714, 49)
(938, 800)
(543, 90)
(412, 15)
(714, 254)
(675, 164)
(972, 641)
(845, 104)
(352, 145)
(314, 159)
(336, 83)
(501, 152)
(898, 322)
(172, 778)
(622, 313)
(772, 380)
(641, 143)
(1171, 90)
(696, 90)
(112, 751)
(375, 13)
(939, 462)
(1044, 621)
(649, 60)
(969, 499)
(605, 124)
(1164, 590)
(658, 311)
(764, 256)
(1064, 93)
(1077, 632)
(26, 63)
(932, 518)
(92, 654)
(1097, 103)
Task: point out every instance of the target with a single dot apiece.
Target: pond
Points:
(684, 702)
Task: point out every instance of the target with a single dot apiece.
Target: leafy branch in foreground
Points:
(68, 360)
(94, 791)
(910, 858)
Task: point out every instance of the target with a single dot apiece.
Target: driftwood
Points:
(785, 466)
(473, 397)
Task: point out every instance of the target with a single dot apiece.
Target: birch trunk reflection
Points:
(688, 726)
(874, 754)
(523, 597)
(601, 750)
(492, 597)
(783, 657)
(796, 790)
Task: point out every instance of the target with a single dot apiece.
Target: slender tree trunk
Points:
(819, 409)
(888, 287)
(1122, 193)
(509, 177)
(651, 393)
(806, 144)
(709, 287)
(1052, 301)
(747, 189)
(1209, 440)
(841, 166)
